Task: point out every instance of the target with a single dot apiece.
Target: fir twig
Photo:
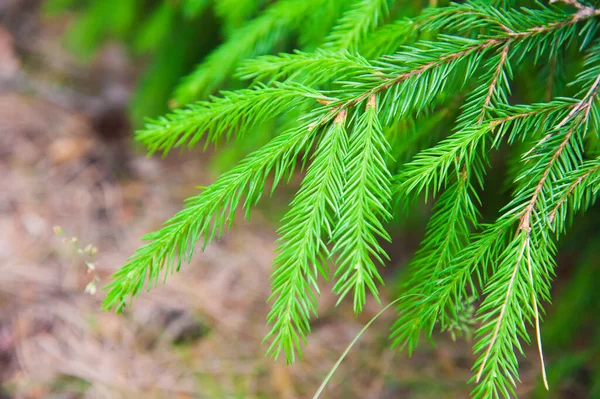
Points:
(347, 106)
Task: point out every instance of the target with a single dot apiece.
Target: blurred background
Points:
(76, 195)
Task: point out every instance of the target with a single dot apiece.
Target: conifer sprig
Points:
(580, 188)
(321, 66)
(208, 214)
(365, 205)
(361, 18)
(258, 36)
(447, 233)
(303, 254)
(388, 38)
(234, 111)
(455, 214)
(360, 89)
(528, 259)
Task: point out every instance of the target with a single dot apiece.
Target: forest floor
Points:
(67, 159)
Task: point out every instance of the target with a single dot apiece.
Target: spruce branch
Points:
(321, 66)
(407, 336)
(258, 36)
(432, 273)
(223, 116)
(361, 18)
(536, 317)
(450, 51)
(366, 199)
(519, 252)
(428, 169)
(449, 229)
(388, 38)
(303, 253)
(498, 74)
(369, 96)
(207, 215)
(531, 268)
(579, 186)
(403, 71)
(463, 18)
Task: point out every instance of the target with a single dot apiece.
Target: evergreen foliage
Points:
(367, 85)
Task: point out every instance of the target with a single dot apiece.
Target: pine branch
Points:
(464, 18)
(316, 68)
(362, 17)
(365, 204)
(207, 215)
(579, 188)
(391, 103)
(388, 38)
(509, 300)
(528, 258)
(303, 253)
(434, 276)
(222, 116)
(258, 36)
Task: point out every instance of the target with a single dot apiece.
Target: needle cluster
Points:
(376, 110)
